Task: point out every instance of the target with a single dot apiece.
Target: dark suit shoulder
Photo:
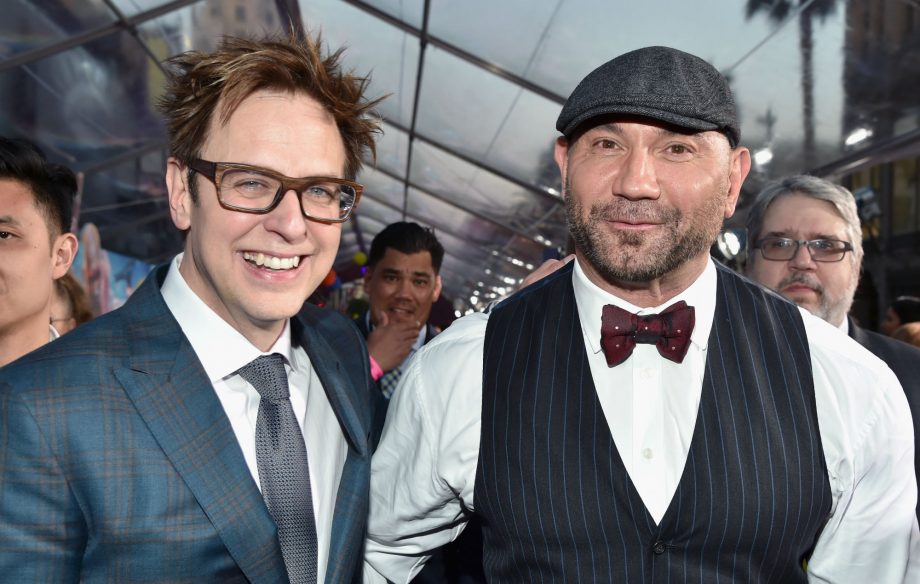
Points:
(88, 356)
(89, 347)
(333, 326)
(902, 358)
(549, 288)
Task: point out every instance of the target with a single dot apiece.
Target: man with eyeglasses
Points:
(805, 242)
(200, 433)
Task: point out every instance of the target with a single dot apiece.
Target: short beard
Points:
(619, 257)
(827, 310)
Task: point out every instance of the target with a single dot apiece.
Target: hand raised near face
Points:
(390, 341)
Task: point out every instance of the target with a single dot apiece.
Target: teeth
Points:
(272, 262)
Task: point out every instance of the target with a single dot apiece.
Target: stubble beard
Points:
(830, 308)
(637, 257)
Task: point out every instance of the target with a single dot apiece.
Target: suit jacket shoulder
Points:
(904, 361)
(331, 338)
(902, 358)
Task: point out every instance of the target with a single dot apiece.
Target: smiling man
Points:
(644, 414)
(199, 433)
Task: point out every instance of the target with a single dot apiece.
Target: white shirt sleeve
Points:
(867, 437)
(424, 470)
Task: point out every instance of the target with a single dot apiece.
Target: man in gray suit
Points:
(144, 446)
(805, 242)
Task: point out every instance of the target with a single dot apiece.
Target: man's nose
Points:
(637, 178)
(287, 219)
(404, 287)
(802, 259)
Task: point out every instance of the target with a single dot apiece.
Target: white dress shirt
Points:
(425, 466)
(222, 351)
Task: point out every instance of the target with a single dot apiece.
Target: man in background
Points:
(402, 283)
(199, 433)
(805, 242)
(36, 245)
(904, 309)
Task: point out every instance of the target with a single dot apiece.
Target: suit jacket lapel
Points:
(856, 333)
(329, 368)
(351, 502)
(173, 395)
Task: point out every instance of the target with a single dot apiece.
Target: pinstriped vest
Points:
(556, 502)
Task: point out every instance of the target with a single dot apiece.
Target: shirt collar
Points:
(53, 333)
(845, 326)
(590, 300)
(221, 349)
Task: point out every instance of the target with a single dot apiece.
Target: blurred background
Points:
(829, 87)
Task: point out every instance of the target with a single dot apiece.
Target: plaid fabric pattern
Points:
(390, 379)
(117, 462)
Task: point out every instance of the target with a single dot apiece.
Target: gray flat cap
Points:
(660, 83)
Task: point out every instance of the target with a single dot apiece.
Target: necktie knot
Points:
(669, 331)
(268, 377)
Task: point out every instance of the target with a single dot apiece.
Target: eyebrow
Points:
(398, 272)
(9, 220)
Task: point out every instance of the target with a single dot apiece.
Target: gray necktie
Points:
(283, 471)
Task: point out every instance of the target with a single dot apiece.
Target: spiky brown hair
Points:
(200, 83)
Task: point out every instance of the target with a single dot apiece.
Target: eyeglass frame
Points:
(214, 172)
(807, 243)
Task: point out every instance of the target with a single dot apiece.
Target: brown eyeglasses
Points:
(252, 189)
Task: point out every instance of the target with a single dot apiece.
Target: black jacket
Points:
(904, 360)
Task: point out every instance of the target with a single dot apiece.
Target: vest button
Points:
(658, 548)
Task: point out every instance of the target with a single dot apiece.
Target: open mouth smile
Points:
(271, 262)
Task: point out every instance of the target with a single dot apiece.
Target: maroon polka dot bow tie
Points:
(669, 331)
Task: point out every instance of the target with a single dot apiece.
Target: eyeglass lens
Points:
(248, 189)
(821, 250)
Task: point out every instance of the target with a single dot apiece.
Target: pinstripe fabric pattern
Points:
(118, 464)
(556, 501)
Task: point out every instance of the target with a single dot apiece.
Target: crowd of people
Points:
(636, 412)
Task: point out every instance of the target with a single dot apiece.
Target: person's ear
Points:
(437, 289)
(180, 196)
(561, 155)
(63, 253)
(740, 167)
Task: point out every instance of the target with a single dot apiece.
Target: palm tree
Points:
(777, 11)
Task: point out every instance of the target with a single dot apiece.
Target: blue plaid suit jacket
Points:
(118, 464)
